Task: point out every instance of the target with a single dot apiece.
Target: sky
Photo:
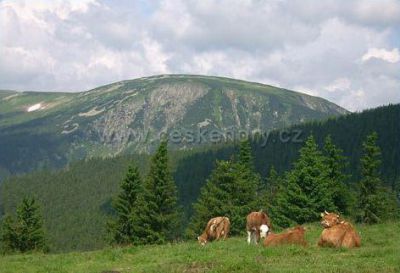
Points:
(345, 51)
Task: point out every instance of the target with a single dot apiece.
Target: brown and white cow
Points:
(337, 232)
(258, 225)
(294, 236)
(216, 229)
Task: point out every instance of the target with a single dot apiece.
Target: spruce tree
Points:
(336, 164)
(214, 199)
(376, 203)
(231, 190)
(245, 155)
(157, 208)
(29, 227)
(246, 189)
(122, 228)
(307, 190)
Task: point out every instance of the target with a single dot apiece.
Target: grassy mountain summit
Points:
(50, 129)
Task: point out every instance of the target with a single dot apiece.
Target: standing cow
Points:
(293, 236)
(337, 232)
(258, 225)
(216, 229)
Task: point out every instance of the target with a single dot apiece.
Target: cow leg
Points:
(256, 236)
(249, 237)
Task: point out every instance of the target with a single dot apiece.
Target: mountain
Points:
(76, 200)
(49, 129)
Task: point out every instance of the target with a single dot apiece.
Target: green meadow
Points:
(380, 252)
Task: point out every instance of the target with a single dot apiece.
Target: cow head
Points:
(202, 240)
(329, 219)
(264, 231)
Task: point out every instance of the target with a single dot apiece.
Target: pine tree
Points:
(376, 203)
(8, 235)
(231, 190)
(214, 199)
(122, 228)
(29, 227)
(307, 190)
(246, 190)
(157, 208)
(245, 155)
(336, 164)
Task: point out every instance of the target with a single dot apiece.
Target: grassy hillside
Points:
(42, 129)
(379, 253)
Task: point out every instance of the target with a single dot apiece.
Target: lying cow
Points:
(216, 229)
(337, 232)
(294, 236)
(258, 225)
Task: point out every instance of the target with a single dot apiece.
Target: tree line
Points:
(315, 183)
(146, 210)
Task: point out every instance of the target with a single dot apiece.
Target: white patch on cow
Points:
(34, 107)
(248, 237)
(263, 231)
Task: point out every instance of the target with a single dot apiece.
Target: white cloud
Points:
(392, 56)
(339, 84)
(344, 51)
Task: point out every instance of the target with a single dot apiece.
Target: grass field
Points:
(380, 252)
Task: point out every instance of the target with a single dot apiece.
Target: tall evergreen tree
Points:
(375, 202)
(25, 233)
(122, 228)
(245, 155)
(29, 227)
(215, 197)
(336, 164)
(245, 190)
(307, 190)
(231, 190)
(157, 208)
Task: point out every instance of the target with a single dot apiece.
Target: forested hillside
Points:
(76, 200)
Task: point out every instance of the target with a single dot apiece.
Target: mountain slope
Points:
(42, 129)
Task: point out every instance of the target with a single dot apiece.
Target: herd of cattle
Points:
(336, 232)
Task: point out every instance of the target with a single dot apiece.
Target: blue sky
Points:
(344, 51)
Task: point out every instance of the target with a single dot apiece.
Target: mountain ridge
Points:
(50, 129)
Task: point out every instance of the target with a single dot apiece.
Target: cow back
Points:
(291, 236)
(255, 219)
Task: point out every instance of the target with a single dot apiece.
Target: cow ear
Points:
(322, 214)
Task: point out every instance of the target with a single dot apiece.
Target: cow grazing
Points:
(337, 232)
(294, 236)
(258, 225)
(216, 229)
